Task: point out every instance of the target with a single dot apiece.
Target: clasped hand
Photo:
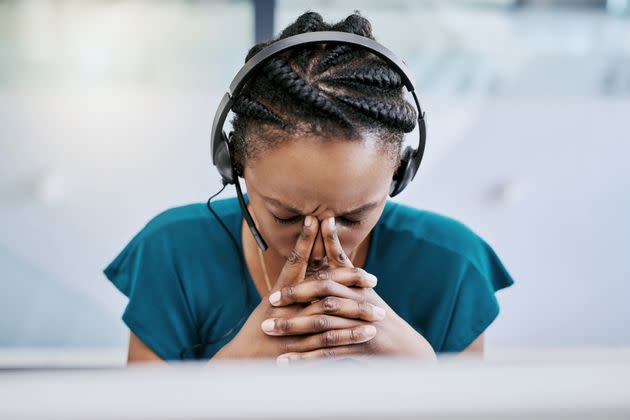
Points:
(330, 313)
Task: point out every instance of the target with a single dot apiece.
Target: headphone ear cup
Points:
(223, 160)
(404, 173)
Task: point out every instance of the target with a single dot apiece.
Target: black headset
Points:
(220, 142)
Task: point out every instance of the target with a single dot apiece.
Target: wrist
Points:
(416, 345)
(228, 351)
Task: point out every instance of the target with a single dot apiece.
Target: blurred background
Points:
(105, 113)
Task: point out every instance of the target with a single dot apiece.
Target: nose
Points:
(318, 252)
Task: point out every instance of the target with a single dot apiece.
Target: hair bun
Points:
(355, 24)
(307, 22)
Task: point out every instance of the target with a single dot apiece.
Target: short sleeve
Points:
(474, 305)
(157, 312)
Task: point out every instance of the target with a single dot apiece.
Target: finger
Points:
(333, 353)
(306, 324)
(295, 266)
(348, 276)
(330, 338)
(334, 252)
(347, 308)
(308, 291)
(320, 284)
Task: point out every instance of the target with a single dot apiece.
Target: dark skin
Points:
(327, 306)
(304, 332)
(341, 188)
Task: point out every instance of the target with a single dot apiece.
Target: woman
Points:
(347, 273)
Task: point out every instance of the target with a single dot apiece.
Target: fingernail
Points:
(268, 325)
(378, 312)
(331, 222)
(274, 298)
(372, 279)
(308, 220)
(282, 361)
(370, 330)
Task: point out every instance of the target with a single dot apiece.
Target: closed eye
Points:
(289, 221)
(295, 219)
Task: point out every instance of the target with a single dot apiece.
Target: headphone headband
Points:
(319, 37)
(307, 38)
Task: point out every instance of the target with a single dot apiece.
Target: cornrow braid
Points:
(308, 22)
(325, 89)
(280, 72)
(399, 116)
(304, 57)
(244, 105)
(337, 55)
(380, 76)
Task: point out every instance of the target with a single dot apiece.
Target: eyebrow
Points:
(358, 210)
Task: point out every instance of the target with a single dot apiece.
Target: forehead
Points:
(313, 172)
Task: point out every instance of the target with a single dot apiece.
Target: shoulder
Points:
(440, 275)
(191, 234)
(175, 240)
(413, 228)
(186, 219)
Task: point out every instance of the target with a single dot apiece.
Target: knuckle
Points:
(330, 305)
(364, 309)
(353, 335)
(330, 338)
(322, 275)
(288, 293)
(283, 325)
(320, 323)
(295, 258)
(326, 287)
(328, 353)
(359, 335)
(340, 257)
(357, 275)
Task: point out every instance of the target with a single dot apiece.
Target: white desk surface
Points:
(560, 383)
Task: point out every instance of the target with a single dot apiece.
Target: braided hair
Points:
(324, 89)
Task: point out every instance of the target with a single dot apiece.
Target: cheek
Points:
(279, 237)
(351, 237)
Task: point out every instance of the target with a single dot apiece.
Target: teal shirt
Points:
(183, 277)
